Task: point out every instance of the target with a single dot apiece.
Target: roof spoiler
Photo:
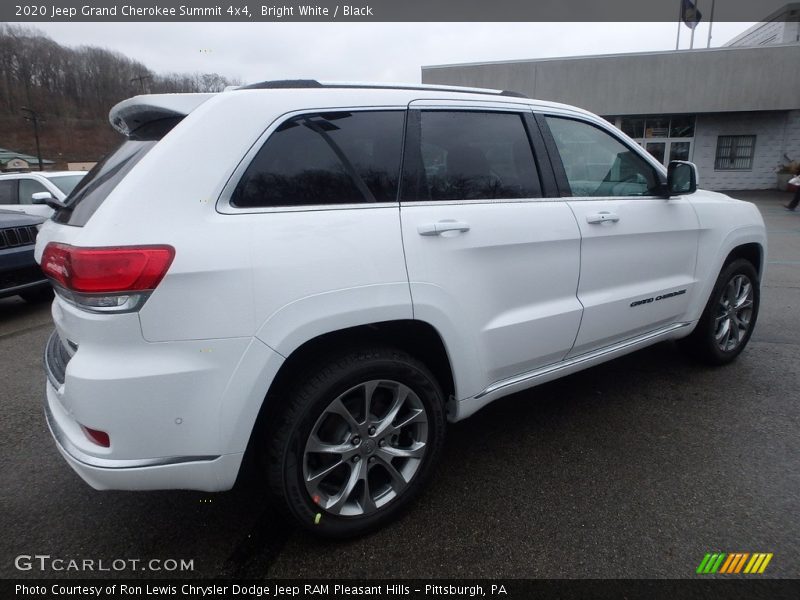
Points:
(130, 114)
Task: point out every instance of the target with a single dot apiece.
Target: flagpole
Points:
(680, 13)
(691, 39)
(711, 23)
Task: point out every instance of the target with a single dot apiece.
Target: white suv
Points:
(30, 191)
(324, 275)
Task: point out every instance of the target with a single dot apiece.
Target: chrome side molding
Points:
(576, 361)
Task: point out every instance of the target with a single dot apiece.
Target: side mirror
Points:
(41, 197)
(46, 198)
(681, 178)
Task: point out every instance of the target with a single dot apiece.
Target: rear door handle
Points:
(602, 217)
(440, 227)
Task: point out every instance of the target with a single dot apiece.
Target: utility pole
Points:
(141, 79)
(34, 117)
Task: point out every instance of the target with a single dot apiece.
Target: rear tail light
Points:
(115, 279)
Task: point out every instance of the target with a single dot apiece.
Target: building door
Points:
(666, 138)
(666, 150)
(679, 150)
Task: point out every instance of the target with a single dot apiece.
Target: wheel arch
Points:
(750, 251)
(718, 249)
(418, 338)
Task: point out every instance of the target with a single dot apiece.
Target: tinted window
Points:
(8, 191)
(98, 183)
(29, 187)
(466, 155)
(597, 164)
(327, 158)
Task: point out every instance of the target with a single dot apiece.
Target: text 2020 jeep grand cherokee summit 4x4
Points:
(331, 273)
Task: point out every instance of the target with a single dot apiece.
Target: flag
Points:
(689, 14)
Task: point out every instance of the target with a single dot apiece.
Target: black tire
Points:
(40, 294)
(307, 407)
(703, 343)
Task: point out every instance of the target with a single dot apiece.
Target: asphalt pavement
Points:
(635, 468)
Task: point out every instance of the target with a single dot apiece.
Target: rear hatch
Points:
(89, 308)
(143, 120)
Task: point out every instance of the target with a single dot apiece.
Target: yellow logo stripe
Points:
(755, 563)
(765, 563)
(752, 562)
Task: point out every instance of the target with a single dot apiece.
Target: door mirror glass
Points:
(681, 178)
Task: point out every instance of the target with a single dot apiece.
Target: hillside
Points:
(72, 90)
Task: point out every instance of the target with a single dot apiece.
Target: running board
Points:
(565, 367)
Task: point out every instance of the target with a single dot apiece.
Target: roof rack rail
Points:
(282, 84)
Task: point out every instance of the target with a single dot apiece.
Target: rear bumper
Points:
(179, 414)
(205, 473)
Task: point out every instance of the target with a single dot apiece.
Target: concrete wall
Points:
(688, 81)
(776, 133)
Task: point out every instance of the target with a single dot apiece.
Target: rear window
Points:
(94, 188)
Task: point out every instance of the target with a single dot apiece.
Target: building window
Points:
(659, 126)
(735, 152)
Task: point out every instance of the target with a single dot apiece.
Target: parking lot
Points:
(635, 468)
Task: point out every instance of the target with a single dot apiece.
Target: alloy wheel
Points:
(365, 448)
(734, 313)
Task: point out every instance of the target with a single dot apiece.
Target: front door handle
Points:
(440, 227)
(602, 217)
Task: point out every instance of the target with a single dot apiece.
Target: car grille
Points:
(56, 358)
(11, 237)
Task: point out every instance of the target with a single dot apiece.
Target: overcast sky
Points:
(365, 52)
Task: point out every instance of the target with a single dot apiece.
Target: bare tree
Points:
(73, 89)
